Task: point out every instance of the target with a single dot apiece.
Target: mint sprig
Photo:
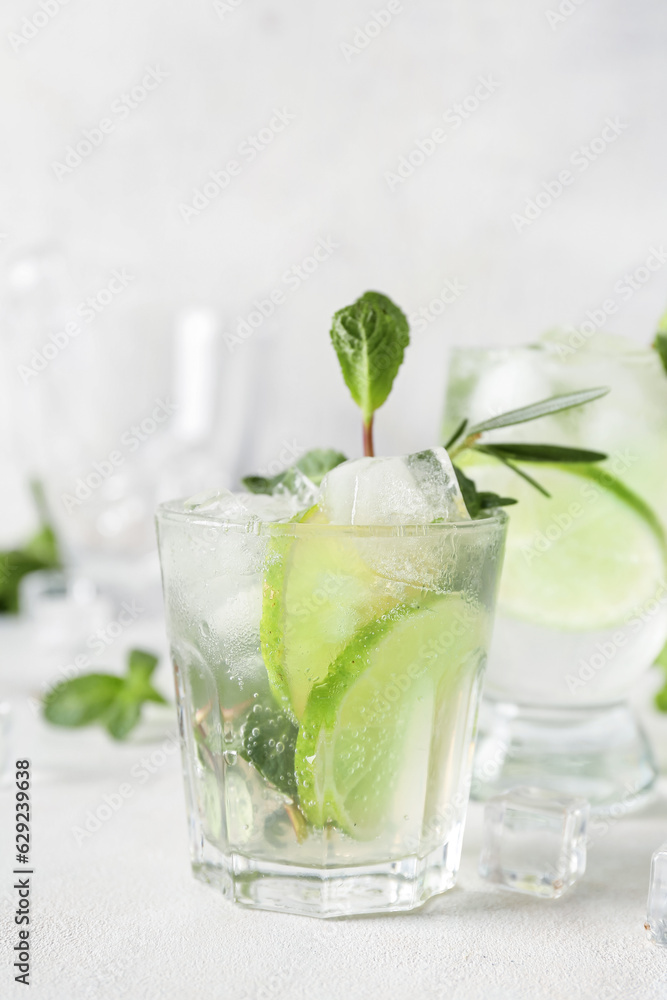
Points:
(370, 337)
(111, 701)
(477, 501)
(40, 552)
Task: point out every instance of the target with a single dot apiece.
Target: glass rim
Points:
(548, 345)
(173, 510)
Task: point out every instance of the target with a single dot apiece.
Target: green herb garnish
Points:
(314, 464)
(40, 552)
(661, 696)
(370, 338)
(269, 741)
(660, 342)
(111, 701)
(466, 438)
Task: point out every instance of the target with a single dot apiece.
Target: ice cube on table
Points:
(414, 489)
(656, 910)
(534, 841)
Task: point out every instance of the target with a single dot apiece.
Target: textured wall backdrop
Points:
(506, 160)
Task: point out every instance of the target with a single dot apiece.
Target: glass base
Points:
(598, 753)
(391, 887)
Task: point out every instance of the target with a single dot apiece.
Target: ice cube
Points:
(221, 502)
(414, 489)
(534, 841)
(244, 508)
(656, 910)
(230, 621)
(299, 487)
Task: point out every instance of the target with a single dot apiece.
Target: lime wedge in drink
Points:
(318, 592)
(583, 559)
(380, 699)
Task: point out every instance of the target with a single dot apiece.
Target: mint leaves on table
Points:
(466, 438)
(314, 464)
(370, 338)
(40, 552)
(111, 701)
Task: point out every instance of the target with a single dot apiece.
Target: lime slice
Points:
(377, 705)
(583, 559)
(318, 592)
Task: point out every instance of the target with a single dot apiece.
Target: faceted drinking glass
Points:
(328, 680)
(582, 609)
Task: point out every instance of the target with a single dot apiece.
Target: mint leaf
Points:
(123, 715)
(82, 700)
(554, 404)
(43, 548)
(260, 484)
(661, 696)
(314, 464)
(113, 702)
(271, 725)
(137, 682)
(661, 660)
(660, 342)
(14, 565)
(370, 337)
(140, 664)
(40, 552)
(477, 501)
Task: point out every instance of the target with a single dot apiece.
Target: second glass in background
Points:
(582, 609)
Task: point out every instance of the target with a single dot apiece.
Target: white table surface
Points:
(120, 915)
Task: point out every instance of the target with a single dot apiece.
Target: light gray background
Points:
(557, 78)
(556, 82)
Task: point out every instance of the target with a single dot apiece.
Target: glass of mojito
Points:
(582, 608)
(328, 647)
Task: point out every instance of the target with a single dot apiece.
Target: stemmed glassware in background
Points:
(111, 416)
(582, 610)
